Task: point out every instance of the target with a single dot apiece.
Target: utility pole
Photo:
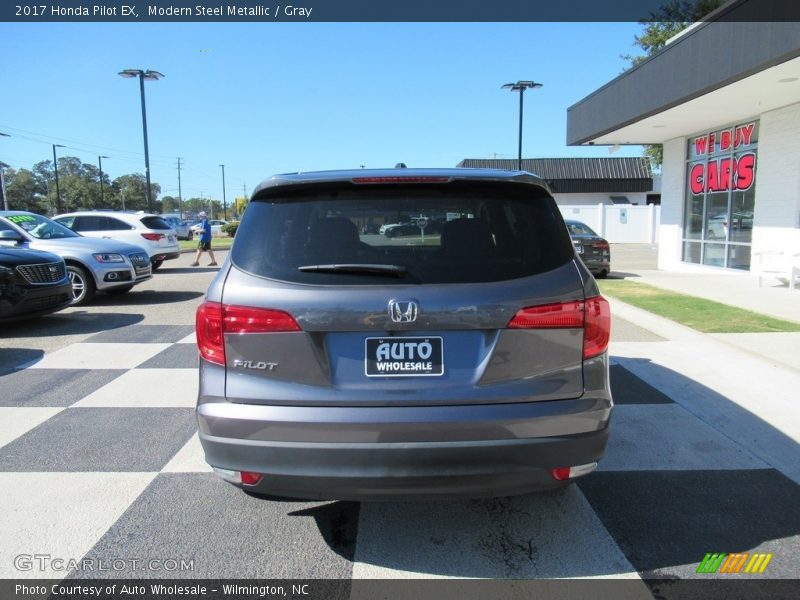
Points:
(224, 200)
(180, 198)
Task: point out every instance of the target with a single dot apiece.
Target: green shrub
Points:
(231, 228)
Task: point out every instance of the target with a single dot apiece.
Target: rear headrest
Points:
(334, 234)
(468, 238)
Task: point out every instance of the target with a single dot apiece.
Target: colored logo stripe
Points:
(714, 562)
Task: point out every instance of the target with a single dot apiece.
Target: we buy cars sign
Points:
(734, 172)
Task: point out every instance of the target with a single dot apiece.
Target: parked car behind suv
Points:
(349, 366)
(181, 227)
(595, 251)
(92, 264)
(148, 231)
(32, 283)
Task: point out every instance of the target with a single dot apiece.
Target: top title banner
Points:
(376, 11)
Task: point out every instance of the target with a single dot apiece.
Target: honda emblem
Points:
(403, 311)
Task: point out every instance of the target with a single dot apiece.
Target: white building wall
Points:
(776, 222)
(599, 198)
(620, 223)
(673, 176)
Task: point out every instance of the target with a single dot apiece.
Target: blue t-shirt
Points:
(205, 236)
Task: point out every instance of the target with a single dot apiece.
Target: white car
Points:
(148, 231)
(216, 227)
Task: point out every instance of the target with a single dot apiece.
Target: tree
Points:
(25, 191)
(131, 192)
(668, 21)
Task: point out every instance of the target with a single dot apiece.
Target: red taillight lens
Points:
(593, 315)
(246, 319)
(208, 325)
(560, 473)
(601, 245)
(214, 320)
(249, 478)
(597, 328)
(153, 237)
(564, 315)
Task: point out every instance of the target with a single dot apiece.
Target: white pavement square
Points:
(61, 515)
(189, 459)
(539, 536)
(667, 437)
(20, 420)
(147, 388)
(99, 356)
(189, 339)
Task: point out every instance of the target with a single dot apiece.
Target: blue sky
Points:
(279, 97)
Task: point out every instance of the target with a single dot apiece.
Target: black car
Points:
(32, 283)
(593, 249)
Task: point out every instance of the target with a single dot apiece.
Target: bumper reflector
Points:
(564, 473)
(239, 477)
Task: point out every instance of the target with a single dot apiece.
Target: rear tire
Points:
(601, 275)
(156, 264)
(83, 287)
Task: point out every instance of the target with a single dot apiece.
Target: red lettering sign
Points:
(723, 174)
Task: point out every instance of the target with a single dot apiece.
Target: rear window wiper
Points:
(359, 268)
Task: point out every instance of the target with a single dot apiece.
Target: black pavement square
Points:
(143, 334)
(666, 521)
(627, 388)
(102, 439)
(228, 533)
(177, 356)
(53, 387)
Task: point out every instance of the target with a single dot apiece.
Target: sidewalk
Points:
(740, 290)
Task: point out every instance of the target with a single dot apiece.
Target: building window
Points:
(720, 196)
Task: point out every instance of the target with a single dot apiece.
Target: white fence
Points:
(619, 223)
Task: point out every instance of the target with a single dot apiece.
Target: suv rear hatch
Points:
(478, 302)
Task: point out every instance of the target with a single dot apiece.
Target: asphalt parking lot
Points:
(99, 459)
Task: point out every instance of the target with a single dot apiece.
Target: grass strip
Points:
(698, 313)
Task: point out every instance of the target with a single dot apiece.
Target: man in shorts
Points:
(204, 244)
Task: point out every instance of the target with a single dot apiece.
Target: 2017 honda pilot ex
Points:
(467, 359)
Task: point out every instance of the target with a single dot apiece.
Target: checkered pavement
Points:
(99, 459)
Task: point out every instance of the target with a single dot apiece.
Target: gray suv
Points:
(468, 358)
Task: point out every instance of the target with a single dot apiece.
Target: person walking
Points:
(204, 244)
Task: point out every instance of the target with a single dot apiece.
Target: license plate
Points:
(579, 248)
(403, 357)
(172, 239)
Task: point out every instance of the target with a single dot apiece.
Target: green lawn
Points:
(218, 243)
(698, 313)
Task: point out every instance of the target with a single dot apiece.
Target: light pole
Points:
(149, 76)
(2, 179)
(100, 163)
(224, 202)
(520, 87)
(55, 166)
(3, 185)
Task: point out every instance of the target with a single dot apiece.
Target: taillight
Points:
(593, 315)
(153, 237)
(601, 245)
(213, 320)
(564, 315)
(597, 327)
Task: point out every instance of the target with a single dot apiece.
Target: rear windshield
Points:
(155, 223)
(463, 232)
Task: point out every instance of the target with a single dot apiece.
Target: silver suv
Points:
(468, 358)
(92, 264)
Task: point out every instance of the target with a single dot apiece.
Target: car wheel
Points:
(156, 264)
(601, 275)
(83, 288)
(120, 291)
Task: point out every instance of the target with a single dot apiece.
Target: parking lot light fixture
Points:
(149, 76)
(520, 87)
(55, 167)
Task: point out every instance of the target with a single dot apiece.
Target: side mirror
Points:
(10, 236)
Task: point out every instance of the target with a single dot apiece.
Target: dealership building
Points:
(723, 97)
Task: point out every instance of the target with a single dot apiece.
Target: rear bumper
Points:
(422, 458)
(164, 255)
